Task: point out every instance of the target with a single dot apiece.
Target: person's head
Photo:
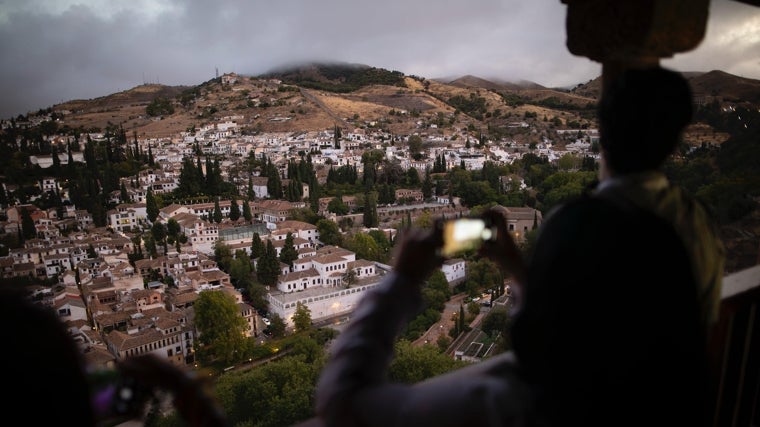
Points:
(641, 115)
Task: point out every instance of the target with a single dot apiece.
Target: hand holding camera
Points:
(488, 235)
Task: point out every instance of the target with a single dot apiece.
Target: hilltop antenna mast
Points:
(217, 72)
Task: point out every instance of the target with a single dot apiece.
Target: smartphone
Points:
(116, 398)
(464, 234)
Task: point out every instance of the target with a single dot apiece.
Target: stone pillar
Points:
(621, 34)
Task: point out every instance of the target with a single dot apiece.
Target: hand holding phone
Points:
(503, 250)
(464, 234)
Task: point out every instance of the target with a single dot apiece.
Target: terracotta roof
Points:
(297, 275)
(296, 225)
(329, 259)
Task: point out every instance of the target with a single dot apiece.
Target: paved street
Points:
(443, 325)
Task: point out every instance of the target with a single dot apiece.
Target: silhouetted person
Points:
(642, 116)
(47, 381)
(623, 282)
(607, 329)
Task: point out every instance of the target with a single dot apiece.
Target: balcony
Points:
(734, 352)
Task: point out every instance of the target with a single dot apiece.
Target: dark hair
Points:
(641, 116)
(51, 383)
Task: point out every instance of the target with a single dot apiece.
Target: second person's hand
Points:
(417, 253)
(503, 251)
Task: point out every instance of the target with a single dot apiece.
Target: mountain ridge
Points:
(318, 96)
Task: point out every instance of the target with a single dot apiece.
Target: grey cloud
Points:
(84, 53)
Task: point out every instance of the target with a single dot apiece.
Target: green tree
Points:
(190, 179)
(123, 195)
(158, 230)
(497, 324)
(221, 328)
(150, 244)
(217, 215)
(257, 246)
(427, 186)
(159, 107)
(412, 364)
(268, 266)
(247, 211)
(329, 233)
(364, 246)
(222, 255)
(173, 228)
(277, 325)
(349, 277)
(151, 206)
(439, 284)
(415, 146)
(240, 268)
(302, 317)
(461, 326)
(337, 206)
(473, 308)
(28, 229)
(481, 274)
(274, 184)
(258, 294)
(275, 394)
(569, 162)
(370, 209)
(234, 209)
(382, 241)
(288, 253)
(337, 134)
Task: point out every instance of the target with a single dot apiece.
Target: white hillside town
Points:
(118, 306)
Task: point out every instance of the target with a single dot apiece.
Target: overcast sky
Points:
(57, 50)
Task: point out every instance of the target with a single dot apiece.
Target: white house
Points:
(454, 269)
(259, 184)
(299, 280)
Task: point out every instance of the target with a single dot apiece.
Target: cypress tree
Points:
(427, 185)
(27, 224)
(370, 209)
(123, 195)
(461, 318)
(247, 211)
(151, 206)
(257, 246)
(268, 266)
(234, 209)
(288, 254)
(217, 216)
(250, 194)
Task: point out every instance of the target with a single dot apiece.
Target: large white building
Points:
(454, 269)
(322, 302)
(320, 283)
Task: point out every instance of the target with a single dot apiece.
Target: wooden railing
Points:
(734, 352)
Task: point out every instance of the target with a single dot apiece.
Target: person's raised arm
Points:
(503, 250)
(361, 355)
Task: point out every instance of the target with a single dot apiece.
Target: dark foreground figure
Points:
(609, 328)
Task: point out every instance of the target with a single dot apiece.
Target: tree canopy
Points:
(221, 328)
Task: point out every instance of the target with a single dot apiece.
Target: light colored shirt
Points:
(692, 222)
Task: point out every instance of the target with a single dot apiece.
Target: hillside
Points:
(319, 96)
(313, 97)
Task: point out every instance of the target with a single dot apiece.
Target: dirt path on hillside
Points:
(318, 102)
